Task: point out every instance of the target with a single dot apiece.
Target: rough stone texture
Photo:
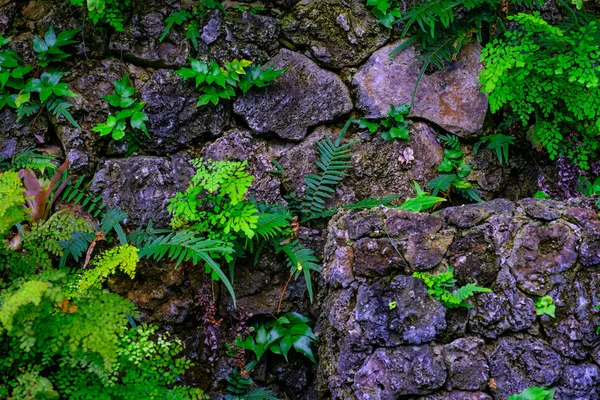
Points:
(142, 186)
(450, 98)
(17, 136)
(335, 33)
(303, 97)
(238, 35)
(418, 349)
(139, 42)
(174, 120)
(377, 170)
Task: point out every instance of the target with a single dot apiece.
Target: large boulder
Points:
(451, 99)
(142, 186)
(304, 96)
(335, 33)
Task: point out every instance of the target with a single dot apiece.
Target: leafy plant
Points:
(76, 193)
(51, 96)
(109, 12)
(334, 159)
(386, 11)
(49, 50)
(422, 202)
(498, 143)
(455, 171)
(218, 83)
(534, 393)
(547, 76)
(12, 75)
(439, 287)
(396, 126)
(12, 199)
(129, 118)
(192, 18)
(28, 158)
(541, 195)
(280, 335)
(545, 306)
(587, 188)
(38, 193)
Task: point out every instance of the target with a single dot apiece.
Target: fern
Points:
(450, 142)
(143, 235)
(29, 158)
(124, 258)
(469, 290)
(75, 193)
(112, 221)
(185, 246)
(75, 246)
(301, 259)
(441, 183)
(58, 107)
(372, 203)
(271, 225)
(333, 161)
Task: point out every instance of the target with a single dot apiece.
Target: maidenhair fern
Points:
(333, 160)
(123, 258)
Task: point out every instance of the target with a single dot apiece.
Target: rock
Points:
(139, 42)
(451, 99)
(468, 216)
(239, 145)
(304, 96)
(473, 256)
(457, 395)
(174, 120)
(407, 370)
(8, 10)
(336, 34)
(541, 254)
(376, 257)
(376, 172)
(240, 35)
(590, 225)
(518, 364)
(544, 209)
(415, 319)
(142, 186)
(467, 366)
(580, 382)
(18, 136)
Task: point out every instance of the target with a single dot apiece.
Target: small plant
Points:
(422, 202)
(129, 118)
(396, 126)
(49, 50)
(280, 335)
(109, 12)
(545, 306)
(455, 171)
(12, 199)
(192, 18)
(534, 393)
(218, 83)
(12, 75)
(498, 143)
(439, 287)
(51, 96)
(587, 188)
(547, 76)
(541, 195)
(392, 305)
(387, 12)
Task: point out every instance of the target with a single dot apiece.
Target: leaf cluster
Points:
(192, 18)
(279, 336)
(534, 393)
(545, 306)
(498, 143)
(129, 117)
(395, 124)
(439, 287)
(12, 199)
(105, 12)
(386, 11)
(454, 171)
(548, 77)
(12, 75)
(48, 49)
(216, 83)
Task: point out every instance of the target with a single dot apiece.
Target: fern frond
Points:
(450, 141)
(112, 221)
(428, 14)
(124, 258)
(75, 246)
(271, 225)
(75, 193)
(469, 290)
(185, 246)
(334, 159)
(28, 109)
(30, 158)
(300, 259)
(59, 107)
(142, 235)
(441, 183)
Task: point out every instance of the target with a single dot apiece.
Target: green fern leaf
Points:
(112, 221)
(75, 246)
(300, 259)
(441, 183)
(58, 107)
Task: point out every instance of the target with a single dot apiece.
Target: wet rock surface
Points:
(419, 349)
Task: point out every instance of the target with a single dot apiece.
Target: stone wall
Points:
(422, 350)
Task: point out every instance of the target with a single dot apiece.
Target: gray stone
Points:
(517, 364)
(467, 366)
(174, 120)
(406, 370)
(468, 216)
(18, 136)
(579, 382)
(238, 35)
(336, 34)
(142, 186)
(450, 99)
(415, 319)
(302, 97)
(458, 395)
